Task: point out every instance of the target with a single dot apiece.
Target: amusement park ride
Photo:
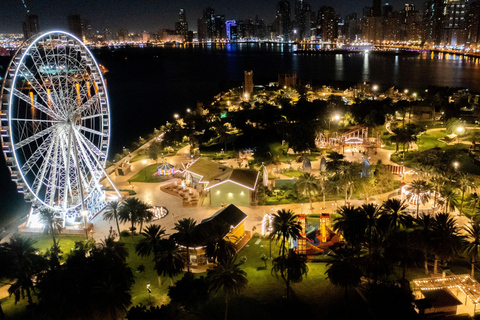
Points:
(55, 128)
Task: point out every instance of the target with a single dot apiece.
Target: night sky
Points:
(152, 15)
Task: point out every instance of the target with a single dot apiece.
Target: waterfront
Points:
(148, 85)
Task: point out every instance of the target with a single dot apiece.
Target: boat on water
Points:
(323, 51)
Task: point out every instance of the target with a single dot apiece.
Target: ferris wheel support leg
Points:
(111, 182)
(80, 183)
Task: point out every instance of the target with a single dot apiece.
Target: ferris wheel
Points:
(55, 124)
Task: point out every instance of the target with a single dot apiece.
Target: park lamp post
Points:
(149, 290)
(455, 165)
(374, 88)
(85, 214)
(460, 131)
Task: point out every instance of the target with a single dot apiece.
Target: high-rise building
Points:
(201, 30)
(30, 25)
(300, 18)
(123, 35)
(309, 21)
(231, 28)
(473, 25)
(377, 8)
(352, 27)
(433, 21)
(220, 28)
(248, 85)
(209, 19)
(75, 26)
(327, 24)
(282, 20)
(181, 26)
(387, 10)
(454, 22)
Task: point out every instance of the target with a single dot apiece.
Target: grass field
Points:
(147, 175)
(313, 298)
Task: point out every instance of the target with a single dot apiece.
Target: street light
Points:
(176, 115)
(335, 117)
(455, 165)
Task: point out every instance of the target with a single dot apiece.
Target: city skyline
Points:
(153, 16)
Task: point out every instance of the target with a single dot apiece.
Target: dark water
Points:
(147, 86)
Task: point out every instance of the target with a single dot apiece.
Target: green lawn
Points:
(293, 173)
(147, 175)
(314, 297)
(430, 140)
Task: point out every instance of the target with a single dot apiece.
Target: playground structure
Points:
(357, 136)
(313, 240)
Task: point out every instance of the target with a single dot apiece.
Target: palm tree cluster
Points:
(131, 210)
(379, 237)
(93, 283)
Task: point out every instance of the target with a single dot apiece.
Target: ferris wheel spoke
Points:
(37, 105)
(38, 62)
(90, 146)
(88, 157)
(46, 164)
(92, 131)
(38, 87)
(36, 155)
(36, 120)
(87, 105)
(92, 116)
(30, 139)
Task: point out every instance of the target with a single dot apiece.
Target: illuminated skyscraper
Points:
(181, 26)
(282, 19)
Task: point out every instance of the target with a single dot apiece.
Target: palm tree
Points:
(423, 233)
(185, 228)
(308, 185)
(291, 268)
(464, 182)
(220, 247)
(473, 201)
(403, 248)
(394, 211)
(152, 240)
(144, 214)
(418, 192)
(344, 271)
(229, 277)
(351, 224)
(372, 214)
(450, 197)
(169, 261)
(113, 250)
(111, 213)
(133, 210)
(53, 224)
(446, 239)
(24, 265)
(285, 226)
(322, 184)
(472, 244)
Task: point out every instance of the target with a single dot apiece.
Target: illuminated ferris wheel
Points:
(55, 124)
